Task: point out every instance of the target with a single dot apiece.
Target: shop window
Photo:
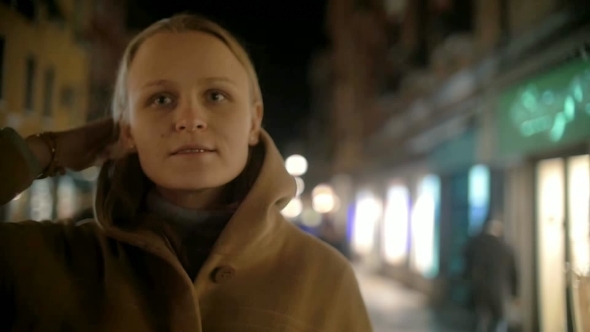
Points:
(395, 229)
(367, 213)
(550, 214)
(424, 231)
(479, 198)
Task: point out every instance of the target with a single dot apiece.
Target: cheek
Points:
(146, 131)
(238, 137)
(238, 161)
(238, 147)
(239, 127)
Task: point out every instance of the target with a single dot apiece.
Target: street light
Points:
(311, 218)
(296, 165)
(324, 199)
(300, 186)
(293, 209)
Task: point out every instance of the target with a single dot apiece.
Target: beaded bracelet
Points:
(53, 168)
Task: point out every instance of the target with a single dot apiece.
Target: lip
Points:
(192, 149)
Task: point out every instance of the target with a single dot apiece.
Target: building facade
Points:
(44, 67)
(106, 36)
(476, 109)
(46, 74)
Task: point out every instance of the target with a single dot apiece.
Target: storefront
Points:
(545, 123)
(409, 229)
(425, 228)
(365, 218)
(466, 203)
(394, 224)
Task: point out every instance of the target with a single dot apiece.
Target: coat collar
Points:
(253, 227)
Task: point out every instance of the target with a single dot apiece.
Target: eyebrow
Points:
(218, 79)
(221, 79)
(156, 83)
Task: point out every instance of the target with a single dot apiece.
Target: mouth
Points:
(191, 149)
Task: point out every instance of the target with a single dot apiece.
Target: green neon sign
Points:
(548, 110)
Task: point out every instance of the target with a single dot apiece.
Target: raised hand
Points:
(81, 147)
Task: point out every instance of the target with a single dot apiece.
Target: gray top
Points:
(197, 230)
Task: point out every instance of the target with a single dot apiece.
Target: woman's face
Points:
(192, 115)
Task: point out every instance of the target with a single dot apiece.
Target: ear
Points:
(127, 137)
(256, 125)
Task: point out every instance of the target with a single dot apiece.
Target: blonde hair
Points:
(124, 182)
(179, 24)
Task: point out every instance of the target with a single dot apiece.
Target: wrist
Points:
(47, 156)
(40, 150)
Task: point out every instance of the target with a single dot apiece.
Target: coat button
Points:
(223, 274)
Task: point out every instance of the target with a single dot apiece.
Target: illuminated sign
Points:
(548, 110)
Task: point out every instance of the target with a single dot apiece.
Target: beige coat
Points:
(263, 273)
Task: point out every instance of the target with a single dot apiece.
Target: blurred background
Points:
(413, 127)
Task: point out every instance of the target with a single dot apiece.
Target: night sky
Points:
(280, 36)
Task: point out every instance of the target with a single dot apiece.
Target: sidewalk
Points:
(395, 308)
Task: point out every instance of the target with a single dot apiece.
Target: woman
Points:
(188, 233)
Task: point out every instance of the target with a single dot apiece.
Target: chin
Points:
(173, 177)
(191, 183)
(188, 184)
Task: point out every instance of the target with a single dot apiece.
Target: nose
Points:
(190, 125)
(191, 121)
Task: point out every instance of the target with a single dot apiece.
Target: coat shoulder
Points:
(312, 253)
(318, 275)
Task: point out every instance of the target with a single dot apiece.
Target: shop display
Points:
(425, 232)
(367, 214)
(395, 228)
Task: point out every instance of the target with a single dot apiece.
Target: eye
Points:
(216, 96)
(162, 100)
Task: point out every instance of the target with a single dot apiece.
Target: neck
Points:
(203, 199)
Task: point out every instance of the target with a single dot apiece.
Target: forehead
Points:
(185, 56)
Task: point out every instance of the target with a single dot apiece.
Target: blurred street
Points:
(425, 138)
(393, 307)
